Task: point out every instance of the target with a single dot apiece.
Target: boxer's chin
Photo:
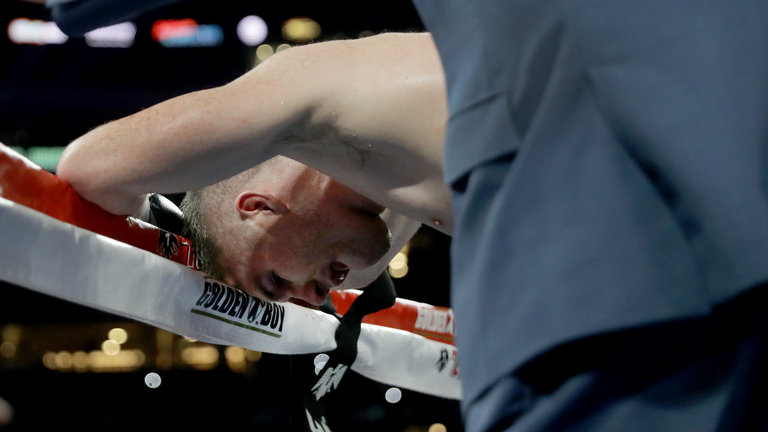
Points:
(370, 245)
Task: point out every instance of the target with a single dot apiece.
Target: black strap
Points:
(377, 296)
(164, 214)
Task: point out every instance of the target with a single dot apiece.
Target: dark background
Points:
(52, 94)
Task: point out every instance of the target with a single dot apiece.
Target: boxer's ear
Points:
(252, 203)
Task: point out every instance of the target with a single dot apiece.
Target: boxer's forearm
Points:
(114, 164)
(182, 144)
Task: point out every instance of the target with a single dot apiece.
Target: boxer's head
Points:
(282, 230)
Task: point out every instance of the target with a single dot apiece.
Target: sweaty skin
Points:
(370, 113)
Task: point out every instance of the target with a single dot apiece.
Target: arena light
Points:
(186, 33)
(235, 357)
(152, 380)
(124, 361)
(301, 29)
(110, 347)
(115, 36)
(234, 354)
(263, 52)
(400, 272)
(437, 427)
(398, 261)
(200, 357)
(164, 342)
(398, 267)
(11, 333)
(25, 31)
(252, 30)
(95, 361)
(46, 157)
(393, 395)
(49, 360)
(252, 356)
(80, 361)
(7, 349)
(63, 360)
(170, 29)
(118, 335)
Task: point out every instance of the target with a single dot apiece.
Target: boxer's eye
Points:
(338, 276)
(277, 280)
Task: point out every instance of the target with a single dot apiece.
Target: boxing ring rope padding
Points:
(55, 258)
(47, 255)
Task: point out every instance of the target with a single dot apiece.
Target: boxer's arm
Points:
(358, 110)
(182, 144)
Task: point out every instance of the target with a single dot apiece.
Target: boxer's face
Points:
(305, 243)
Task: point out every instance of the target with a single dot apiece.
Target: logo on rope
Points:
(232, 306)
(329, 381)
(434, 322)
(319, 425)
(446, 359)
(168, 244)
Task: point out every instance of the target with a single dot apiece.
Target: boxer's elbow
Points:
(72, 168)
(92, 180)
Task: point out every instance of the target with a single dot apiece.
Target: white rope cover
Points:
(46, 255)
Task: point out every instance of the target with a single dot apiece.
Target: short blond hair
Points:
(198, 207)
(196, 228)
